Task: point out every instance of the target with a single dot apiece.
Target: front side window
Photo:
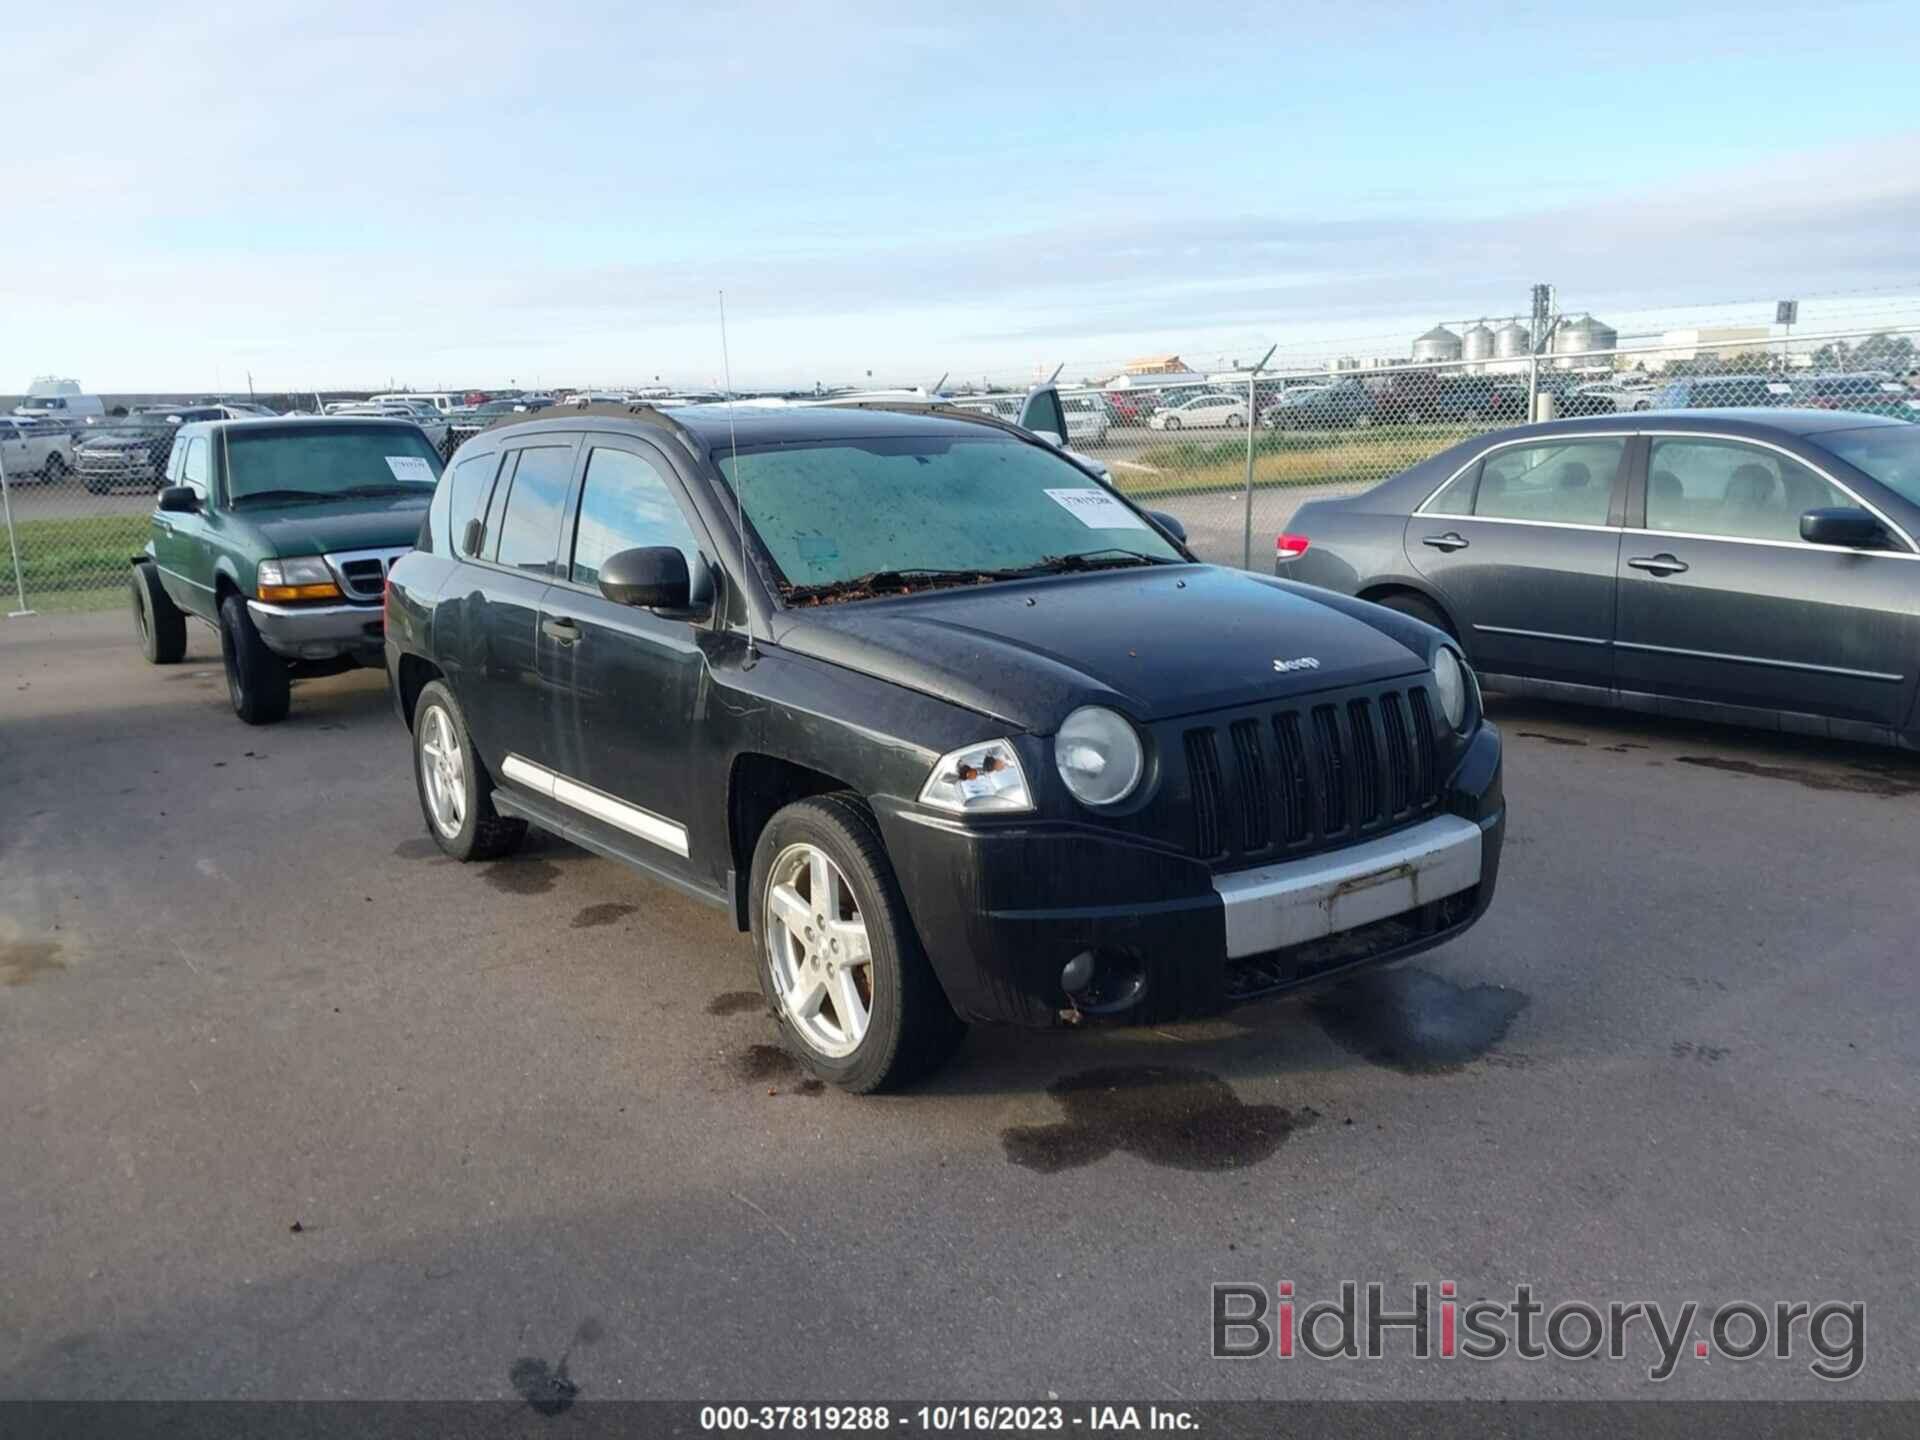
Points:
(327, 461)
(1721, 487)
(930, 509)
(625, 504)
(1567, 482)
(467, 491)
(530, 524)
(194, 468)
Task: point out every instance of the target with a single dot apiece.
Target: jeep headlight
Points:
(303, 578)
(1098, 754)
(984, 779)
(1450, 685)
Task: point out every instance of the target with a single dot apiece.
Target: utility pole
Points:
(1786, 312)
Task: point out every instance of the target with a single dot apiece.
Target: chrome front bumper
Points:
(318, 632)
(1275, 906)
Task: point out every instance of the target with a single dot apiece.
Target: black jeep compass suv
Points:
(955, 729)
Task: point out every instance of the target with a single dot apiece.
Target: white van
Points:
(75, 409)
(441, 402)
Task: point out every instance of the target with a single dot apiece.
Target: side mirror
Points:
(654, 577)
(180, 499)
(1044, 415)
(1842, 525)
(1169, 524)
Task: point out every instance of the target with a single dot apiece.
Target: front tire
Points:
(54, 472)
(1234, 422)
(839, 961)
(1172, 422)
(1420, 609)
(456, 792)
(156, 619)
(256, 677)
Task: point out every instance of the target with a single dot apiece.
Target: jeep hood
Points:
(1151, 643)
(355, 524)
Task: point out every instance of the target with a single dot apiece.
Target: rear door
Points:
(14, 454)
(504, 695)
(1722, 602)
(626, 684)
(179, 537)
(1522, 546)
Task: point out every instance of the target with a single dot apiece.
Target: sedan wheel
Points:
(818, 951)
(1172, 422)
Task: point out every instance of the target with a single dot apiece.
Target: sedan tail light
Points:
(1290, 547)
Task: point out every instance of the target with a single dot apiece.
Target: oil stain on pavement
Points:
(24, 961)
(736, 1002)
(1860, 779)
(605, 914)
(521, 877)
(763, 1064)
(421, 847)
(1168, 1115)
(1415, 1021)
(548, 1389)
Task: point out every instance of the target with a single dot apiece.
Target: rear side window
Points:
(468, 485)
(1567, 483)
(626, 503)
(530, 525)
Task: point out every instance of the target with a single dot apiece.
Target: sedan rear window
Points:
(1889, 453)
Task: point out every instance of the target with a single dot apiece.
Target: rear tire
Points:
(54, 472)
(1419, 609)
(1234, 422)
(256, 677)
(456, 790)
(1172, 422)
(909, 1028)
(156, 619)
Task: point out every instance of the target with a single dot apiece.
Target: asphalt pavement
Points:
(296, 1107)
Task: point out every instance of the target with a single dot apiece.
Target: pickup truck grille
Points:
(1298, 779)
(363, 573)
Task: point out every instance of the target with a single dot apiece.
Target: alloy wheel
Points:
(818, 951)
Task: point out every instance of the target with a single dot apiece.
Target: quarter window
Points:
(626, 503)
(530, 528)
(1567, 482)
(1719, 487)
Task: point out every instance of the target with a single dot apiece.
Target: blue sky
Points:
(477, 194)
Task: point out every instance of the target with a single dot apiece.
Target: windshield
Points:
(328, 460)
(1889, 453)
(930, 509)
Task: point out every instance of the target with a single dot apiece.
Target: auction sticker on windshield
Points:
(1096, 509)
(410, 467)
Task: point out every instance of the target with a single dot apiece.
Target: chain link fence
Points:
(1232, 455)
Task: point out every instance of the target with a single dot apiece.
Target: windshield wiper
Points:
(886, 582)
(282, 495)
(1113, 557)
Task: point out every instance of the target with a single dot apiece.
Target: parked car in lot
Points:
(1211, 410)
(1720, 392)
(420, 412)
(1606, 398)
(1343, 405)
(1425, 398)
(130, 452)
(961, 734)
(1870, 393)
(40, 448)
(279, 534)
(1755, 566)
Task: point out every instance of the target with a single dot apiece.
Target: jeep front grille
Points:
(1297, 779)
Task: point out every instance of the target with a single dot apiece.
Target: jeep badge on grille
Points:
(1305, 662)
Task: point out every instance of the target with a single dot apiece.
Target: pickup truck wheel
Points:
(840, 963)
(456, 792)
(158, 622)
(55, 470)
(256, 677)
(96, 485)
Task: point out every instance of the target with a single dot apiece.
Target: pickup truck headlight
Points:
(983, 779)
(1450, 685)
(304, 578)
(1098, 754)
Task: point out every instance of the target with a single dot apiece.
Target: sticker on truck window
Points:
(410, 467)
(1096, 509)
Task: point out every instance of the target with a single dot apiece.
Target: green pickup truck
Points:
(279, 534)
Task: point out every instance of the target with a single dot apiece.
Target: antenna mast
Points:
(739, 498)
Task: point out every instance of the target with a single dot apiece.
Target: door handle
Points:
(1662, 564)
(564, 631)
(1452, 540)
